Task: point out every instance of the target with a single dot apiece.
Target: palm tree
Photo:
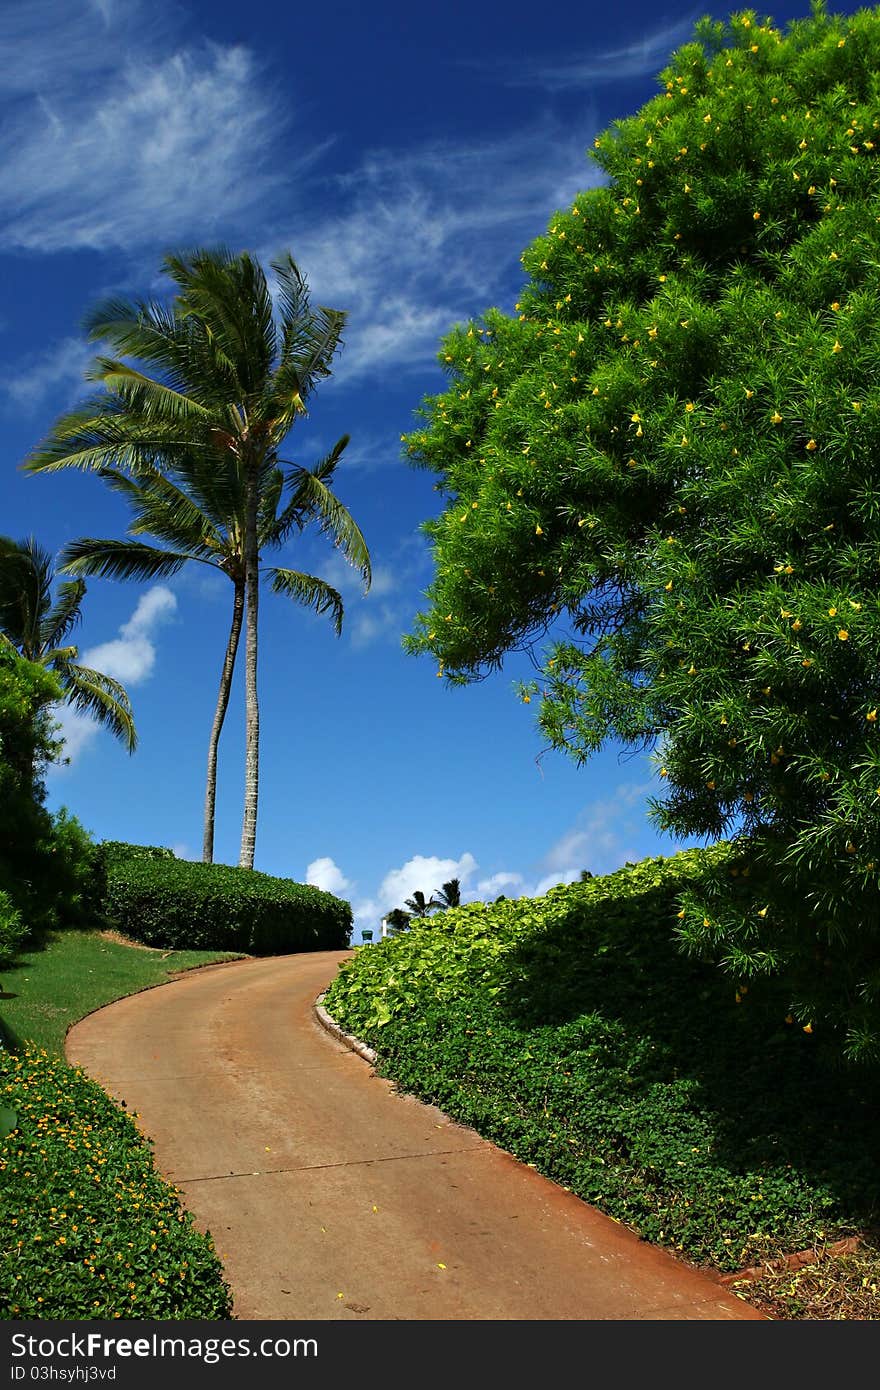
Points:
(38, 627)
(197, 510)
(450, 894)
(419, 906)
(213, 374)
(397, 920)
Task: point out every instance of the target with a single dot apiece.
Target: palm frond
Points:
(107, 432)
(310, 591)
(120, 560)
(64, 615)
(25, 592)
(147, 397)
(320, 505)
(102, 697)
(228, 295)
(295, 513)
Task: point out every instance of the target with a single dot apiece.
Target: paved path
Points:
(330, 1196)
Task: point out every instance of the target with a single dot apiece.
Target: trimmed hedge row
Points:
(186, 906)
(117, 851)
(90, 1228)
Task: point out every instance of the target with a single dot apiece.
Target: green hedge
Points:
(186, 906)
(90, 1230)
(119, 851)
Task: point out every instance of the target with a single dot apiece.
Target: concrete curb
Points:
(333, 1027)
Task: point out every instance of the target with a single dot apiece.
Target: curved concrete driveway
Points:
(330, 1196)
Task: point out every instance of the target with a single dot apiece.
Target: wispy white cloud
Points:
(57, 372)
(113, 136)
(416, 240)
(645, 56)
(384, 613)
(130, 658)
(604, 837)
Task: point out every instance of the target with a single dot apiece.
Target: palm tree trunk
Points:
(219, 716)
(252, 707)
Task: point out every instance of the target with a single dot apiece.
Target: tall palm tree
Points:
(197, 510)
(450, 894)
(220, 374)
(419, 905)
(38, 627)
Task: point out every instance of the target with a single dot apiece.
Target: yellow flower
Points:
(668, 587)
(689, 407)
(811, 445)
(871, 716)
(756, 216)
(832, 612)
(538, 531)
(837, 347)
(842, 634)
(808, 1027)
(776, 418)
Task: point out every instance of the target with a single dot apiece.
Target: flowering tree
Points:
(670, 455)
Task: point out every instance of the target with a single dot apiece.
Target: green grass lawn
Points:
(76, 972)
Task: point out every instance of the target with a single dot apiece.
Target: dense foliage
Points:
(568, 1031)
(671, 453)
(178, 904)
(117, 851)
(90, 1229)
(50, 873)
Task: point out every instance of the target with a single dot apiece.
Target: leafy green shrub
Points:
(50, 869)
(12, 929)
(567, 1030)
(90, 1229)
(178, 904)
(118, 851)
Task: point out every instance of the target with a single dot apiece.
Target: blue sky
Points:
(405, 154)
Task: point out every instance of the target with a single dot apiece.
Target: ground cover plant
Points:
(694, 1109)
(72, 973)
(90, 1229)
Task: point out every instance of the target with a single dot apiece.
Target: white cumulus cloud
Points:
(130, 658)
(325, 873)
(511, 885)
